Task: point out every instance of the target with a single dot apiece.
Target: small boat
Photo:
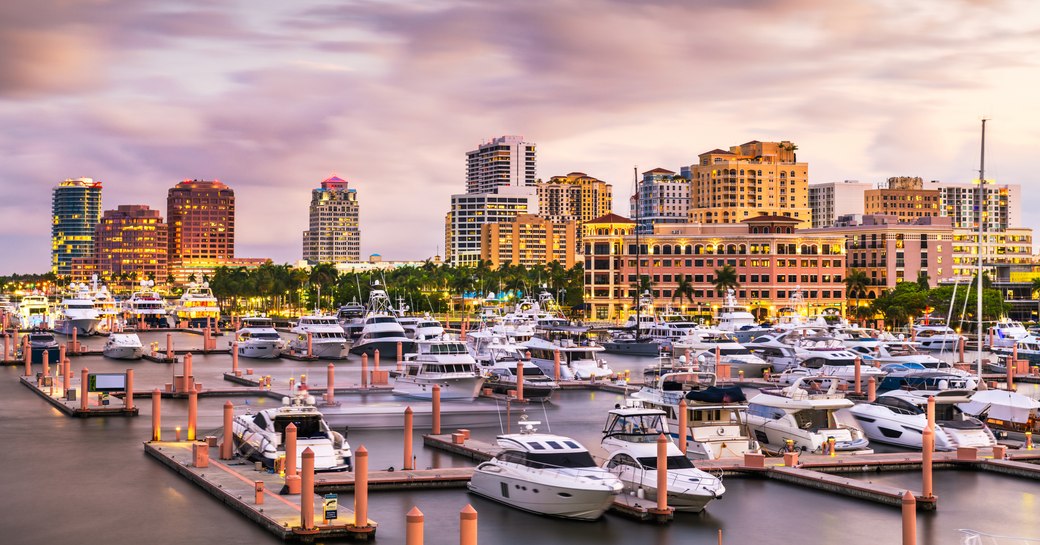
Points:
(41, 342)
(630, 439)
(123, 346)
(327, 339)
(546, 474)
(899, 418)
(258, 339)
(802, 416)
(446, 363)
(260, 436)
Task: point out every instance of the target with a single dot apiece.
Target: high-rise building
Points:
(1003, 205)
(664, 197)
(201, 219)
(1012, 246)
(528, 240)
(575, 197)
(75, 211)
(905, 197)
(335, 234)
(469, 211)
(499, 162)
(749, 180)
(132, 239)
(830, 200)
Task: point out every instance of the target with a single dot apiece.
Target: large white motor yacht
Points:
(630, 439)
(258, 339)
(707, 342)
(578, 360)
(899, 418)
(803, 413)
(108, 309)
(327, 337)
(446, 363)
(76, 312)
(197, 306)
(1007, 332)
(736, 319)
(381, 331)
(546, 474)
(936, 337)
(9, 309)
(502, 374)
(34, 310)
(261, 436)
(428, 328)
(123, 346)
(147, 306)
(811, 347)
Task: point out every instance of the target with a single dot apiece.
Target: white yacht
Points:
(327, 338)
(706, 342)
(108, 309)
(41, 342)
(11, 311)
(123, 346)
(258, 339)
(502, 374)
(352, 317)
(896, 352)
(1005, 410)
(578, 360)
(735, 318)
(446, 363)
(428, 328)
(914, 376)
(630, 439)
(146, 306)
(381, 330)
(1007, 332)
(76, 312)
(899, 418)
(546, 474)
(716, 416)
(812, 348)
(34, 310)
(197, 306)
(936, 337)
(261, 436)
(804, 413)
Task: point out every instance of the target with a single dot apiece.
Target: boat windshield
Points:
(637, 428)
(266, 336)
(674, 462)
(308, 426)
(529, 371)
(559, 459)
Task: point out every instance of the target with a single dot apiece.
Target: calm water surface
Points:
(87, 480)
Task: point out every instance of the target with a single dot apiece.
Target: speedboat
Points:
(716, 417)
(936, 337)
(41, 342)
(1005, 410)
(34, 310)
(428, 328)
(804, 414)
(261, 437)
(197, 306)
(147, 306)
(546, 474)
(327, 339)
(914, 376)
(258, 339)
(900, 416)
(446, 363)
(123, 346)
(578, 357)
(381, 330)
(630, 439)
(76, 312)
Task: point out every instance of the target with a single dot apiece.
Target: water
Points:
(76, 480)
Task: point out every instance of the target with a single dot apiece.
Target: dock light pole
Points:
(408, 421)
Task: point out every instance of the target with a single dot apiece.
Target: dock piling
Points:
(66, 376)
(234, 358)
(436, 409)
(310, 344)
(408, 419)
(330, 392)
(871, 390)
(169, 346)
(307, 490)
(364, 370)
(556, 365)
(227, 448)
(520, 379)
(400, 356)
(859, 376)
(360, 487)
(662, 474)
(375, 361)
(156, 415)
(292, 481)
(909, 519)
(683, 425)
(258, 487)
(46, 361)
(27, 356)
(129, 399)
(187, 382)
(927, 449)
(931, 414)
(414, 528)
(193, 413)
(468, 526)
(83, 388)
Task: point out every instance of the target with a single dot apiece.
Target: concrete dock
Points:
(56, 396)
(449, 477)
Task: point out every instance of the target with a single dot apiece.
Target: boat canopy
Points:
(717, 394)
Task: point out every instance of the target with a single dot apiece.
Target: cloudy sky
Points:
(273, 96)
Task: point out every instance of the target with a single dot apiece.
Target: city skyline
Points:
(273, 100)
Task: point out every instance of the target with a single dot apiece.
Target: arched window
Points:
(667, 249)
(698, 249)
(731, 249)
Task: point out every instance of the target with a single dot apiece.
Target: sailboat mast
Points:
(639, 277)
(982, 230)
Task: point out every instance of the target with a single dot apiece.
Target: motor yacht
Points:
(123, 346)
(936, 337)
(42, 342)
(197, 306)
(442, 362)
(108, 309)
(76, 312)
(9, 309)
(34, 310)
(327, 339)
(146, 306)
(626, 342)
(895, 352)
(914, 376)
(502, 375)
(716, 416)
(803, 413)
(1004, 410)
(381, 330)
(812, 348)
(1027, 348)
(736, 319)
(546, 474)
(258, 338)
(1007, 332)
(428, 328)
(711, 342)
(261, 436)
(630, 439)
(578, 357)
(899, 417)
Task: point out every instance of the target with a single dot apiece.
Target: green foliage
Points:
(900, 305)
(993, 305)
(725, 279)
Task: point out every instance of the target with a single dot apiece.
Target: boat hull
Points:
(532, 392)
(259, 351)
(82, 326)
(540, 498)
(124, 352)
(651, 349)
(51, 351)
(387, 349)
(451, 389)
(322, 350)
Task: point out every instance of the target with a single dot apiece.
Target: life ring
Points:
(721, 431)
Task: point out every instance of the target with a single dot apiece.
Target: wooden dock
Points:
(404, 479)
(57, 398)
(234, 483)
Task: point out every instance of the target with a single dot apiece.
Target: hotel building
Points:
(831, 200)
(334, 235)
(574, 197)
(905, 198)
(502, 161)
(528, 240)
(75, 212)
(663, 197)
(749, 180)
(773, 261)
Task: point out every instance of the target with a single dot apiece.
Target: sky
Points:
(271, 97)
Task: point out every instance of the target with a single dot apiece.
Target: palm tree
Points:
(643, 285)
(856, 282)
(683, 289)
(726, 279)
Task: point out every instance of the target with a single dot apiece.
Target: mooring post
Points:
(193, 413)
(169, 346)
(684, 424)
(361, 487)
(227, 448)
(83, 389)
(871, 390)
(234, 358)
(468, 526)
(927, 448)
(909, 519)
(859, 383)
(556, 365)
(307, 490)
(436, 409)
(129, 401)
(414, 528)
(662, 474)
(520, 380)
(156, 415)
(310, 344)
(400, 356)
(408, 420)
(292, 479)
(364, 370)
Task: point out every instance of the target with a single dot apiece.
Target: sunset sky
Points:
(271, 97)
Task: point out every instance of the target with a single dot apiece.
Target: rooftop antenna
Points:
(982, 232)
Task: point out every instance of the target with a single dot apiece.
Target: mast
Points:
(982, 230)
(639, 277)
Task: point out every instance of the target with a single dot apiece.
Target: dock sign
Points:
(331, 504)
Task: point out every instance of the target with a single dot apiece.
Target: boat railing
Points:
(975, 537)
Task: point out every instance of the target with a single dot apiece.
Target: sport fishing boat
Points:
(381, 330)
(428, 328)
(899, 418)
(42, 342)
(197, 306)
(258, 339)
(123, 346)
(630, 439)
(546, 474)
(351, 317)
(261, 436)
(327, 340)
(34, 310)
(446, 363)
(804, 413)
(76, 312)
(716, 416)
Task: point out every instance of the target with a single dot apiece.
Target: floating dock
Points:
(403, 479)
(235, 484)
(56, 396)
